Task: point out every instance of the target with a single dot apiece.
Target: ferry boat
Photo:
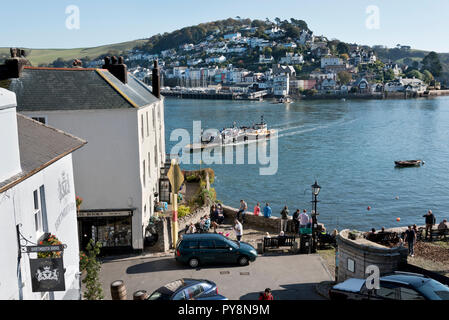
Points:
(233, 135)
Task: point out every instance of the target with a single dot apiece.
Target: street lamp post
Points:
(315, 191)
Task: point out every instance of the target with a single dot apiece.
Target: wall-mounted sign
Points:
(88, 214)
(59, 247)
(351, 265)
(47, 275)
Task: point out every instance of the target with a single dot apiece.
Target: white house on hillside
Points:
(37, 198)
(117, 173)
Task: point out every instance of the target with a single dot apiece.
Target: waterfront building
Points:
(406, 84)
(281, 84)
(297, 85)
(37, 198)
(117, 173)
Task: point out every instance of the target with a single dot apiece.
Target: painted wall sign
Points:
(104, 214)
(47, 275)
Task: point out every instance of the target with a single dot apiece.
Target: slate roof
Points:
(40, 146)
(46, 89)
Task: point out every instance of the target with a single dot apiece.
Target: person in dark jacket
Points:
(430, 221)
(296, 220)
(410, 238)
(284, 219)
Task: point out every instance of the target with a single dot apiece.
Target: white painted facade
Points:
(53, 210)
(17, 207)
(119, 168)
(10, 160)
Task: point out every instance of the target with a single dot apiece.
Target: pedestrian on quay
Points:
(430, 221)
(443, 225)
(213, 213)
(238, 228)
(266, 295)
(267, 210)
(191, 228)
(257, 209)
(304, 220)
(284, 219)
(410, 238)
(242, 209)
(220, 214)
(296, 220)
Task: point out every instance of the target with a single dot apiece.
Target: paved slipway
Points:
(291, 277)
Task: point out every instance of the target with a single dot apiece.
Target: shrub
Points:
(183, 211)
(93, 266)
(193, 178)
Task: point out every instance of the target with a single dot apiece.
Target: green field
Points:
(47, 56)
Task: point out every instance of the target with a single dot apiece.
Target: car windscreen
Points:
(165, 292)
(157, 295)
(434, 290)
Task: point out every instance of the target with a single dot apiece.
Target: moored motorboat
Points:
(408, 163)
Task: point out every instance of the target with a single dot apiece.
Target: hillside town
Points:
(99, 200)
(280, 63)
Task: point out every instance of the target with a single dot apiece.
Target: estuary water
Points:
(348, 147)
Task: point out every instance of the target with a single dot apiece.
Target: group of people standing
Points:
(300, 218)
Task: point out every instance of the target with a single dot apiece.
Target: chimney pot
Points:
(156, 82)
(12, 68)
(117, 68)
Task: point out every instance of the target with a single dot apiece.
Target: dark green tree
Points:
(342, 48)
(415, 73)
(389, 75)
(344, 77)
(432, 63)
(428, 77)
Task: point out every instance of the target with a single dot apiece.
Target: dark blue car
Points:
(203, 248)
(187, 289)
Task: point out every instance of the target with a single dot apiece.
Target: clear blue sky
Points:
(41, 24)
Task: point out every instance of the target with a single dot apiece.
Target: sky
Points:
(45, 24)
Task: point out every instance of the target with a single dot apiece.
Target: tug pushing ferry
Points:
(234, 135)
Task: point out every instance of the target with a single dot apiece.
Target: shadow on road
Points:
(298, 291)
(169, 264)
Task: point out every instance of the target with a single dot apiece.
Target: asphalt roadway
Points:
(290, 277)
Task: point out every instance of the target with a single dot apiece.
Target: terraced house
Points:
(122, 119)
(37, 200)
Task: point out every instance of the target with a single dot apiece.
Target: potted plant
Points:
(50, 240)
(79, 201)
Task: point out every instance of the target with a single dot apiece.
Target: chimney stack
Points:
(13, 66)
(156, 81)
(117, 67)
(77, 63)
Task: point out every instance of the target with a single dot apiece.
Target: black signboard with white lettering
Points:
(49, 248)
(47, 274)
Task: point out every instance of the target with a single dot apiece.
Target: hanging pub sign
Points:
(47, 274)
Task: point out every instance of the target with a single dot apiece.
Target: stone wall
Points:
(272, 224)
(364, 253)
(193, 217)
(165, 238)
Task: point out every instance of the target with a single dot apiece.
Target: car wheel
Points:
(194, 262)
(243, 260)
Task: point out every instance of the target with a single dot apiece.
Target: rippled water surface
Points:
(349, 147)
